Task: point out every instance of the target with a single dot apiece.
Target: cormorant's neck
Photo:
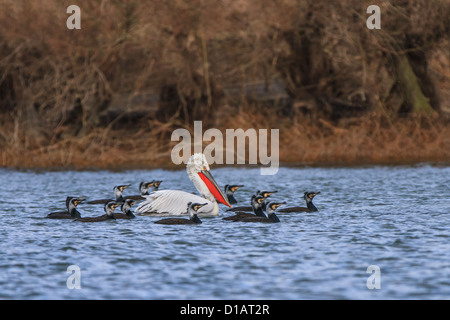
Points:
(311, 206)
(74, 213)
(118, 195)
(264, 205)
(109, 213)
(274, 217)
(259, 212)
(196, 219)
(231, 199)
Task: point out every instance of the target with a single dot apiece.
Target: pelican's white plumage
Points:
(174, 202)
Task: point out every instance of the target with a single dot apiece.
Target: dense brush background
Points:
(110, 94)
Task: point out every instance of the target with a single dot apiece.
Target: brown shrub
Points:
(70, 97)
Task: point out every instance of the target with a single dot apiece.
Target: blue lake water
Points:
(394, 218)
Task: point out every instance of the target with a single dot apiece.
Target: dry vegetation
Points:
(110, 94)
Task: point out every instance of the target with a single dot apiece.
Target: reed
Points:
(364, 140)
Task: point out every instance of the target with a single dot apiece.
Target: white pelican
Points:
(174, 202)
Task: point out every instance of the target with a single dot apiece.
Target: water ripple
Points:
(396, 218)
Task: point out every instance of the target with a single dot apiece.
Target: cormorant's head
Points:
(192, 211)
(127, 204)
(110, 207)
(272, 206)
(156, 184)
(257, 201)
(270, 209)
(195, 206)
(118, 190)
(230, 190)
(309, 196)
(121, 187)
(143, 187)
(72, 202)
(265, 194)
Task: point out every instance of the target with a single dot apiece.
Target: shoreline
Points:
(297, 165)
(368, 141)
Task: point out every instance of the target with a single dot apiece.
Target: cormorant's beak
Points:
(269, 193)
(123, 187)
(234, 188)
(276, 205)
(208, 179)
(200, 205)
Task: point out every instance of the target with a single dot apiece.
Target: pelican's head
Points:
(198, 170)
(197, 163)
